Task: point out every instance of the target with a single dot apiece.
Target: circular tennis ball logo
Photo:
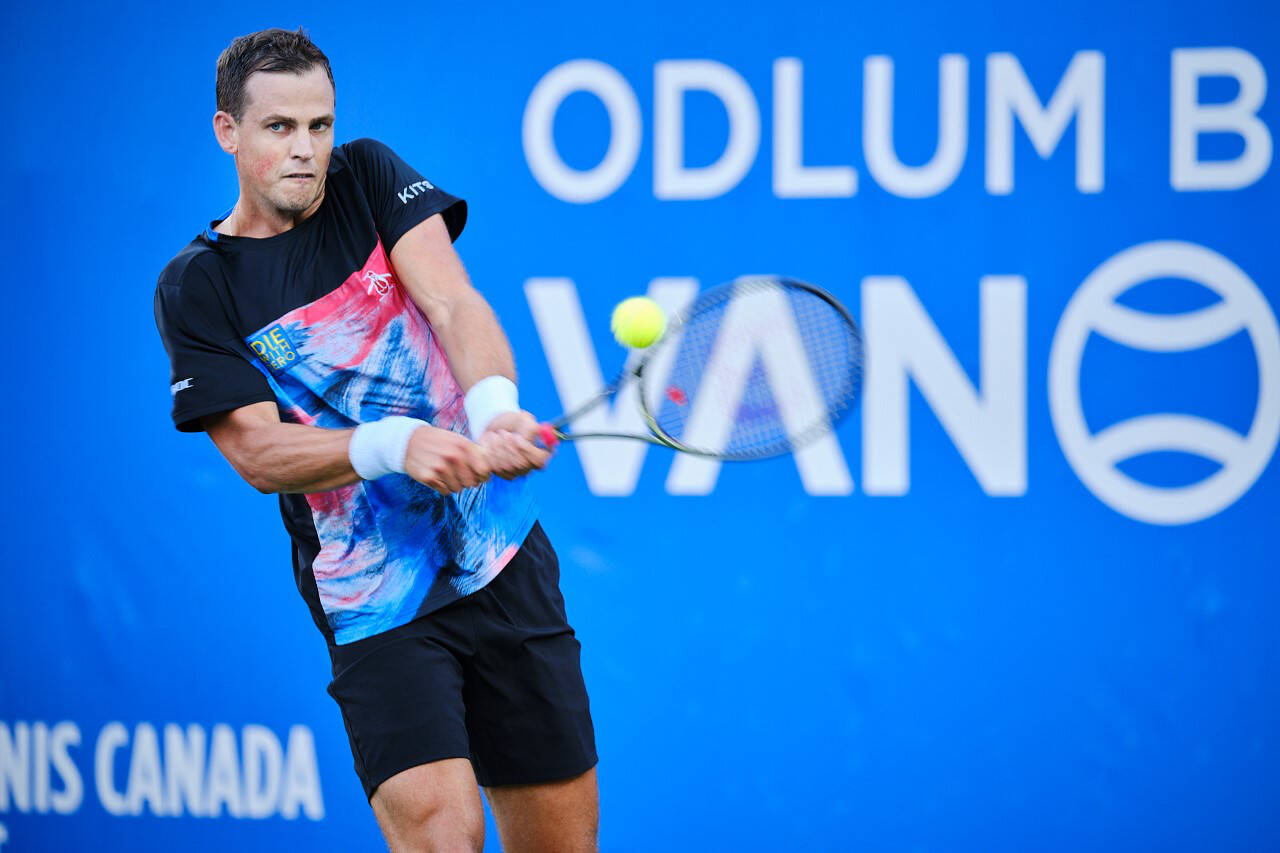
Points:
(1094, 456)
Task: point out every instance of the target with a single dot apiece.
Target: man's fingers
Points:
(464, 464)
(513, 456)
(526, 447)
(446, 461)
(497, 448)
(521, 423)
(444, 482)
(502, 460)
(476, 463)
(535, 456)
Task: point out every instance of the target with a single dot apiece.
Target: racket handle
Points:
(547, 436)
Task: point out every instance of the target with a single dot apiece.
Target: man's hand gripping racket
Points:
(751, 369)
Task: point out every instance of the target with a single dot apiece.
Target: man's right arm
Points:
(274, 456)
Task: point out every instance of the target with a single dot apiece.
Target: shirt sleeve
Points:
(208, 373)
(399, 196)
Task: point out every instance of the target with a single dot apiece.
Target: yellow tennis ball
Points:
(638, 322)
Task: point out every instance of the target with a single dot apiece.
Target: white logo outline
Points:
(379, 283)
(1093, 308)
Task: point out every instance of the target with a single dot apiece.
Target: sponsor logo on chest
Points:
(379, 284)
(274, 349)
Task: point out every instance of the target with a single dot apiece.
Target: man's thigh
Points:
(527, 712)
(555, 817)
(401, 701)
(432, 806)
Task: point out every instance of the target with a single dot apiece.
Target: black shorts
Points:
(493, 677)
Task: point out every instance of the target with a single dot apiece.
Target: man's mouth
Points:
(300, 176)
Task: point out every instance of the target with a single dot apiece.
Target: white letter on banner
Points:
(601, 80)
(1190, 118)
(611, 466)
(301, 777)
(64, 736)
(184, 769)
(113, 736)
(671, 79)
(40, 766)
(145, 783)
(953, 128)
(761, 328)
(223, 782)
(1079, 93)
(15, 759)
(791, 178)
(990, 430)
(263, 760)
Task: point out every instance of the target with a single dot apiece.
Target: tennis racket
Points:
(754, 368)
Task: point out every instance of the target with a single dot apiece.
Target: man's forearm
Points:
(435, 280)
(473, 340)
(284, 457)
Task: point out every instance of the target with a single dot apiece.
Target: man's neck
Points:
(251, 220)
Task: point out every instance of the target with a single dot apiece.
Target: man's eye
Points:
(276, 126)
(320, 126)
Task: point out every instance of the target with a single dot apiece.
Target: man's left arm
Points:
(432, 274)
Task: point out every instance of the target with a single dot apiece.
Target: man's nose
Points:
(302, 147)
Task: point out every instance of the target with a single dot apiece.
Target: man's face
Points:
(283, 142)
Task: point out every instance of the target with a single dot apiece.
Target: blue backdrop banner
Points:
(1024, 598)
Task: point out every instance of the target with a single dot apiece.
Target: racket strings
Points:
(763, 365)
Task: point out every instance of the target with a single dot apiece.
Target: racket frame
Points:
(552, 432)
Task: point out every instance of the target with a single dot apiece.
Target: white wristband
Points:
(487, 399)
(378, 448)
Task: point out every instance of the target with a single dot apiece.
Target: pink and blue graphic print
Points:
(392, 548)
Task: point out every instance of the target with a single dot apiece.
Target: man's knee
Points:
(445, 828)
(433, 807)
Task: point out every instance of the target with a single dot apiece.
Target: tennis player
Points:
(325, 335)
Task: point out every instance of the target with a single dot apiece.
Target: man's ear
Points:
(227, 131)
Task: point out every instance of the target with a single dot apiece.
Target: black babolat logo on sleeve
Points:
(414, 190)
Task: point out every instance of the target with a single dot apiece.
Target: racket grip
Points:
(547, 436)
